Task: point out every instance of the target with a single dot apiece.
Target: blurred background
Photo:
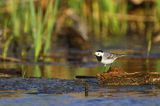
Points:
(57, 38)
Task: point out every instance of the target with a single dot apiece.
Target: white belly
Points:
(108, 61)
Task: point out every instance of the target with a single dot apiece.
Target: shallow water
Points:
(64, 70)
(147, 95)
(112, 96)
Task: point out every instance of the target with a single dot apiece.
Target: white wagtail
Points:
(106, 57)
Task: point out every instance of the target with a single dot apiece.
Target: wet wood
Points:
(119, 77)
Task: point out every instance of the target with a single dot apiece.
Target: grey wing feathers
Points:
(110, 55)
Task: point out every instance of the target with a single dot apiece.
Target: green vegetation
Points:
(28, 25)
(29, 28)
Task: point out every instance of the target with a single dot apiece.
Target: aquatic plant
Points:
(27, 22)
(28, 26)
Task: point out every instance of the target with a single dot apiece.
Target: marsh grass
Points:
(31, 27)
(27, 22)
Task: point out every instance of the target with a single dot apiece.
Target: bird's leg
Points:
(104, 69)
(110, 67)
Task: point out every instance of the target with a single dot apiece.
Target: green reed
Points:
(29, 25)
(42, 27)
(158, 6)
(7, 42)
(109, 9)
(100, 16)
(37, 28)
(49, 20)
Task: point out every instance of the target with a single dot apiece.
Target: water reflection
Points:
(147, 95)
(14, 93)
(64, 70)
(143, 91)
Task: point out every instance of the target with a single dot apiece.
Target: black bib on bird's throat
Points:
(99, 58)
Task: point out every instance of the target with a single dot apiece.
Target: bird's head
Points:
(99, 53)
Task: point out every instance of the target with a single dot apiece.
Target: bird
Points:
(106, 57)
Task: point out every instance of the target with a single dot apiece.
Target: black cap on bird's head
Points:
(99, 51)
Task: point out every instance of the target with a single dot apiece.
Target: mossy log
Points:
(119, 77)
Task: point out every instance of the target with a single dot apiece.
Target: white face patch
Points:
(99, 53)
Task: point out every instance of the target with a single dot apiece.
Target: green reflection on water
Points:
(62, 72)
(69, 72)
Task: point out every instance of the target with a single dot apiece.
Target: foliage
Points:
(27, 22)
(30, 25)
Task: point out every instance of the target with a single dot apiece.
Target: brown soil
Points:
(117, 76)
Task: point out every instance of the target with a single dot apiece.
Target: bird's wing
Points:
(110, 56)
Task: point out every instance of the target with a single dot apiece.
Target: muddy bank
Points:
(117, 76)
(43, 85)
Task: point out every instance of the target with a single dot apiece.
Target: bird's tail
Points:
(121, 55)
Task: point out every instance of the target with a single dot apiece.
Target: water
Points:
(64, 70)
(148, 95)
(112, 96)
